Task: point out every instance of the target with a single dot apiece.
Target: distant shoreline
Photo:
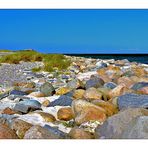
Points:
(141, 58)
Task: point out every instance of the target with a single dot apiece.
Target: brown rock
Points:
(25, 84)
(7, 133)
(114, 101)
(46, 103)
(109, 107)
(105, 78)
(20, 127)
(78, 94)
(47, 117)
(143, 90)
(101, 71)
(65, 114)
(37, 94)
(79, 133)
(139, 71)
(139, 79)
(8, 111)
(92, 94)
(104, 92)
(90, 114)
(117, 91)
(63, 90)
(126, 81)
(85, 111)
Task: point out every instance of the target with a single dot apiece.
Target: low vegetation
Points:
(4, 50)
(51, 61)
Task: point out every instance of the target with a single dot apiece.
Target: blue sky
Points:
(75, 31)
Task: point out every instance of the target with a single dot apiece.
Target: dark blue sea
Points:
(140, 58)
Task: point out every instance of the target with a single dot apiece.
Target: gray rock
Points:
(128, 73)
(27, 105)
(47, 89)
(137, 129)
(62, 101)
(38, 132)
(94, 82)
(65, 77)
(132, 100)
(101, 65)
(21, 108)
(115, 125)
(4, 95)
(56, 132)
(20, 98)
(110, 85)
(17, 92)
(5, 118)
(73, 84)
(139, 85)
(6, 104)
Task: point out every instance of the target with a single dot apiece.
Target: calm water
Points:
(141, 58)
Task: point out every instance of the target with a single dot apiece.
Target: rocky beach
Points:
(91, 99)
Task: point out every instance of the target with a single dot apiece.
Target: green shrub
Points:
(36, 69)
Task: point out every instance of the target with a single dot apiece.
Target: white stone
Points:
(86, 76)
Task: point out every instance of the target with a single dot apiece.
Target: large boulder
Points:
(133, 100)
(7, 133)
(137, 129)
(38, 132)
(85, 111)
(115, 125)
(94, 81)
(61, 101)
(47, 89)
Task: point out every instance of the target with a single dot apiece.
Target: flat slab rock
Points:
(24, 106)
(61, 101)
(133, 101)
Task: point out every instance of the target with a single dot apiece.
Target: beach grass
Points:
(51, 61)
(5, 50)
